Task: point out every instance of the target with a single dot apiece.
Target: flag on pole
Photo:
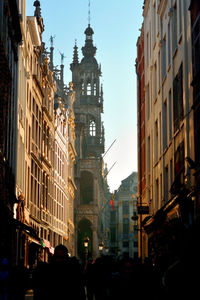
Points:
(112, 201)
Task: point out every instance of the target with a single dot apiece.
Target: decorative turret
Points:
(89, 50)
(75, 57)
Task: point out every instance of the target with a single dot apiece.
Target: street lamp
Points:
(86, 243)
(106, 248)
(101, 247)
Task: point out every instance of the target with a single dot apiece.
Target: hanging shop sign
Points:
(143, 210)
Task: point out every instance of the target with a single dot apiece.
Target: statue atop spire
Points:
(37, 12)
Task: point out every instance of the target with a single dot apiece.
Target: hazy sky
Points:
(116, 25)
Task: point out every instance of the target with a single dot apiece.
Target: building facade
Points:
(45, 189)
(142, 202)
(88, 108)
(127, 229)
(195, 28)
(10, 38)
(169, 119)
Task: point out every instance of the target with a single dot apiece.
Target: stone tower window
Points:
(92, 128)
(88, 88)
(82, 88)
(95, 89)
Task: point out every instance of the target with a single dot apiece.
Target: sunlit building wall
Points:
(169, 131)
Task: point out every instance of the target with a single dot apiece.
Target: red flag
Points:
(112, 201)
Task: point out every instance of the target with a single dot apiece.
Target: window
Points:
(159, 79)
(166, 183)
(155, 81)
(157, 195)
(170, 115)
(125, 228)
(148, 102)
(165, 125)
(174, 28)
(88, 88)
(147, 49)
(169, 44)
(196, 46)
(154, 25)
(95, 89)
(180, 17)
(82, 88)
(163, 58)
(148, 155)
(178, 98)
(125, 207)
(156, 141)
(171, 173)
(179, 161)
(35, 184)
(92, 128)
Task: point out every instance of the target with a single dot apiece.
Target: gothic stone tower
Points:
(88, 108)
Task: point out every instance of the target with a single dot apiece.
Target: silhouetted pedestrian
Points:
(60, 279)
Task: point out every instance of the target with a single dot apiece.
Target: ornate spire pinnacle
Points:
(75, 56)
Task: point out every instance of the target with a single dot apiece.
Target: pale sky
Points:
(116, 25)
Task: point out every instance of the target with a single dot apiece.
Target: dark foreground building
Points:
(10, 37)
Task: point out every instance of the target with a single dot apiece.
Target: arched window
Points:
(95, 89)
(88, 88)
(92, 128)
(82, 88)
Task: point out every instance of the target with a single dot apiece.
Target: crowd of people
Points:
(106, 278)
(65, 277)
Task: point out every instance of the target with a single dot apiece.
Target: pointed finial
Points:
(89, 13)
